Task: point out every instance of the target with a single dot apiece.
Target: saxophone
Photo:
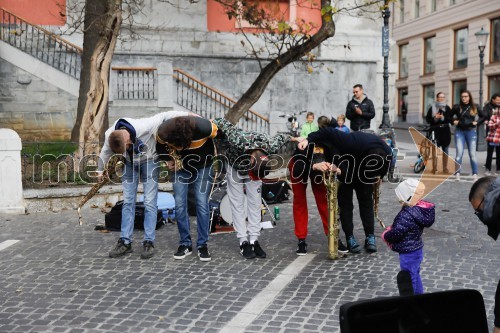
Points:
(172, 152)
(376, 200)
(332, 186)
(114, 166)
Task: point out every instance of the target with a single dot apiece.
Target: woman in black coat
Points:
(439, 117)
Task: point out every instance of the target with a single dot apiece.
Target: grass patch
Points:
(49, 148)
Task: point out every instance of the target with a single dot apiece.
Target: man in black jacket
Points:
(363, 159)
(360, 109)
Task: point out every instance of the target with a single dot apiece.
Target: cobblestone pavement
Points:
(58, 277)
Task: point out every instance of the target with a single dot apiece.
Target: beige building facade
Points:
(437, 51)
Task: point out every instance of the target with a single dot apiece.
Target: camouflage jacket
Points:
(241, 142)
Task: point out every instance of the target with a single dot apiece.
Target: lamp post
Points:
(482, 38)
(386, 13)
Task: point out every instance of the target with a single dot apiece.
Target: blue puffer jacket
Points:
(405, 234)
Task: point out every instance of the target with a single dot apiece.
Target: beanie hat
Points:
(406, 189)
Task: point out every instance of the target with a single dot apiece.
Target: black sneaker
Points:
(183, 251)
(120, 249)
(204, 254)
(148, 250)
(353, 245)
(370, 245)
(342, 248)
(301, 248)
(246, 250)
(259, 252)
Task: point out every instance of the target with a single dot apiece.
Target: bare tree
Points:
(92, 23)
(102, 22)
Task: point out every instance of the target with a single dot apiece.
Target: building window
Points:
(458, 87)
(493, 85)
(428, 98)
(403, 61)
(495, 40)
(429, 55)
(433, 5)
(402, 11)
(452, 2)
(417, 8)
(403, 103)
(461, 45)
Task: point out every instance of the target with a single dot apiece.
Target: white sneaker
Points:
(487, 173)
(474, 177)
(457, 177)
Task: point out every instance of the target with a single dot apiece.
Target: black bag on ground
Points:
(275, 191)
(113, 219)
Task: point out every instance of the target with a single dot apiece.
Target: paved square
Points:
(58, 277)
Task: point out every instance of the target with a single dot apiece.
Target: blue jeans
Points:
(201, 180)
(411, 262)
(468, 137)
(148, 173)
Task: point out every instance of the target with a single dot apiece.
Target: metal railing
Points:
(40, 43)
(210, 103)
(136, 83)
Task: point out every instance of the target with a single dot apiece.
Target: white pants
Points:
(235, 183)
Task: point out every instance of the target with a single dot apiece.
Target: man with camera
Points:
(360, 109)
(484, 197)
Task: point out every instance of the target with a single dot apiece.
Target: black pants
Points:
(364, 193)
(489, 156)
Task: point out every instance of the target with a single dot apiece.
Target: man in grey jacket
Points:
(135, 140)
(484, 196)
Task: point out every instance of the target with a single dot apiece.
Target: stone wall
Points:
(293, 89)
(34, 108)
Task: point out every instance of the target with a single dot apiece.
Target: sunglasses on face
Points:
(478, 211)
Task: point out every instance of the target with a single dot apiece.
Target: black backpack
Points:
(276, 191)
(113, 219)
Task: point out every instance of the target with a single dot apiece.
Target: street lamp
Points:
(482, 38)
(386, 13)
